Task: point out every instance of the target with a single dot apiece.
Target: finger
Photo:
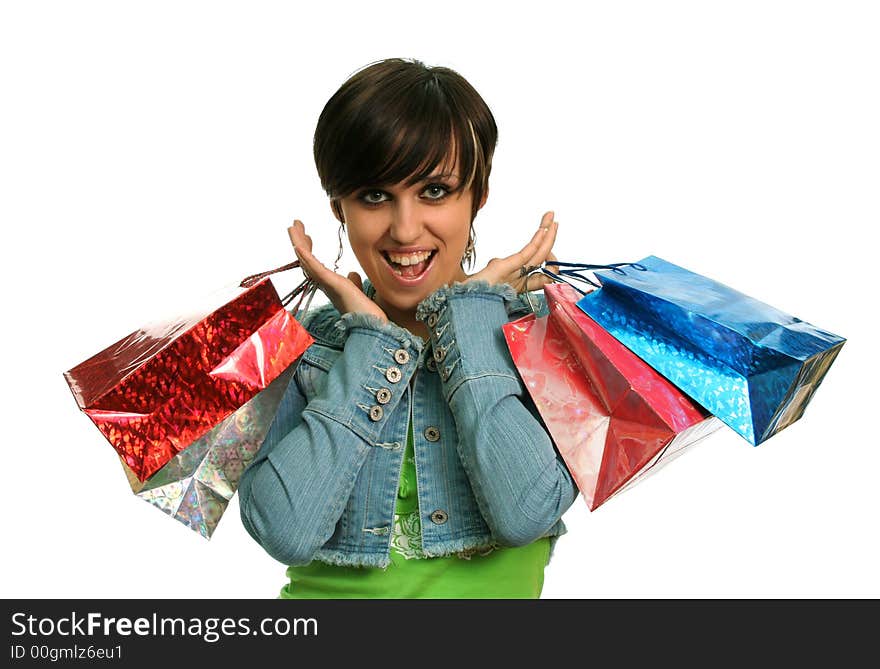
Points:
(298, 236)
(534, 281)
(539, 281)
(548, 260)
(295, 232)
(543, 238)
(355, 278)
(545, 247)
(312, 267)
(540, 237)
(334, 285)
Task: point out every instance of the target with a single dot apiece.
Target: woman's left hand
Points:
(515, 269)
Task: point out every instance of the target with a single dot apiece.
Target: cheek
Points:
(362, 244)
(458, 225)
(462, 235)
(362, 229)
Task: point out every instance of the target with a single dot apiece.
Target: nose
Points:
(406, 222)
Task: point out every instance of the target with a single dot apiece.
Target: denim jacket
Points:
(324, 482)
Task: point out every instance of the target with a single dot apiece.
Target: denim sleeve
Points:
(295, 490)
(520, 482)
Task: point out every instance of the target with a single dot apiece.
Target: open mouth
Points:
(410, 266)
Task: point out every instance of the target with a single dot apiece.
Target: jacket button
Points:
(431, 365)
(432, 320)
(432, 434)
(439, 354)
(383, 396)
(439, 517)
(393, 374)
(376, 413)
(401, 357)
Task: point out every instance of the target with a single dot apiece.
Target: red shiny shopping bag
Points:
(612, 417)
(157, 391)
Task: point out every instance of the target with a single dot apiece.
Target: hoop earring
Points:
(339, 254)
(469, 251)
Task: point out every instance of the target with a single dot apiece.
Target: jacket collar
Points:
(323, 322)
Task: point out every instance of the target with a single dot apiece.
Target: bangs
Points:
(428, 147)
(394, 125)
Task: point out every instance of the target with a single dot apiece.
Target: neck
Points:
(405, 318)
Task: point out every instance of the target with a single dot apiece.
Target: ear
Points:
(485, 197)
(336, 208)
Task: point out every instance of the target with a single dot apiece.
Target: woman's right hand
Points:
(346, 294)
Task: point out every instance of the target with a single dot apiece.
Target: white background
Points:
(154, 152)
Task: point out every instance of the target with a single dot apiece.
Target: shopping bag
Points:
(158, 390)
(750, 364)
(612, 418)
(187, 402)
(195, 486)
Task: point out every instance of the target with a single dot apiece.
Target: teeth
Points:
(409, 258)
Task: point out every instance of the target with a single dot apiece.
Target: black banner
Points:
(228, 632)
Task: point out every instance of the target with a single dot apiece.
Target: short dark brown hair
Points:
(399, 119)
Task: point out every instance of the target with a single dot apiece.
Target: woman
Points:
(406, 459)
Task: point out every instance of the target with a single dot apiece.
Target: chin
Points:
(408, 301)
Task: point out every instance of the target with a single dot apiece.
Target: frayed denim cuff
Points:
(435, 301)
(465, 322)
(351, 321)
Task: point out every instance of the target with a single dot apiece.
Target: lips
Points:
(410, 268)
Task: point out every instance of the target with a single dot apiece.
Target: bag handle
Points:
(572, 270)
(568, 271)
(306, 289)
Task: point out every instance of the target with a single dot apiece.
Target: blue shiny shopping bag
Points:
(751, 365)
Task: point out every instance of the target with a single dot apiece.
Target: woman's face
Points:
(409, 240)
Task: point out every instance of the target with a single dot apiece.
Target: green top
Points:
(496, 572)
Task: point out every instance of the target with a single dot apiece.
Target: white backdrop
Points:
(154, 152)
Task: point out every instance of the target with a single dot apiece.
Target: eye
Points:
(373, 197)
(436, 191)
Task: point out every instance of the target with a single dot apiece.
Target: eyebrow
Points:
(430, 177)
(440, 176)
